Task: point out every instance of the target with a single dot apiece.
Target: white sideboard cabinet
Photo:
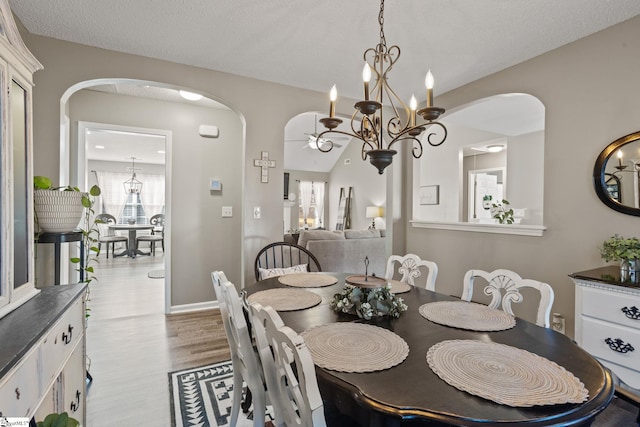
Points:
(42, 356)
(607, 321)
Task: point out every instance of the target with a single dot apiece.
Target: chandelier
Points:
(368, 122)
(133, 185)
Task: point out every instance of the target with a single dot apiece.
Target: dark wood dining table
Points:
(410, 394)
(133, 230)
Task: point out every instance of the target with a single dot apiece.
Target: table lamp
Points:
(372, 213)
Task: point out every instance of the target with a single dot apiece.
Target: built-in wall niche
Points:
(495, 147)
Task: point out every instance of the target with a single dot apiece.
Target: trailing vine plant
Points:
(90, 237)
(90, 234)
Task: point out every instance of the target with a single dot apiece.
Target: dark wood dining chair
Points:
(284, 255)
(108, 236)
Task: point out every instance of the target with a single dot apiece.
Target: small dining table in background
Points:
(133, 230)
(411, 394)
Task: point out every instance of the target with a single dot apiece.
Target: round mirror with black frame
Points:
(617, 183)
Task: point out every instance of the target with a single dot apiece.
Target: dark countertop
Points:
(22, 328)
(609, 275)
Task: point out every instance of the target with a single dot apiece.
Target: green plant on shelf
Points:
(88, 228)
(502, 211)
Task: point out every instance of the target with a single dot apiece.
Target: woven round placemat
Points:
(398, 287)
(282, 299)
(504, 374)
(307, 280)
(467, 315)
(355, 347)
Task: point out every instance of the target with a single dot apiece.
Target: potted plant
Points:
(501, 210)
(624, 250)
(65, 209)
(57, 209)
(58, 420)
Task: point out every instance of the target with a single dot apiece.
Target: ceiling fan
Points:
(312, 137)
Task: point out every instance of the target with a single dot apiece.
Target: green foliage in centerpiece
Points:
(368, 302)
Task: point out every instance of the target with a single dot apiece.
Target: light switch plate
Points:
(227, 211)
(256, 212)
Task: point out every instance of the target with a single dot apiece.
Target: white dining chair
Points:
(411, 266)
(245, 361)
(288, 371)
(504, 288)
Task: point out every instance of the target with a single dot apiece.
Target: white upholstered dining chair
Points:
(411, 267)
(245, 361)
(504, 288)
(288, 371)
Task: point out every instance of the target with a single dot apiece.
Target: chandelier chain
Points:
(383, 40)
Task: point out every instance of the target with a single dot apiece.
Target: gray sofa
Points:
(344, 252)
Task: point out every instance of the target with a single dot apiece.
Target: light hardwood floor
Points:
(132, 345)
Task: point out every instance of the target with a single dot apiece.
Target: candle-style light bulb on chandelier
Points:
(133, 185)
(368, 123)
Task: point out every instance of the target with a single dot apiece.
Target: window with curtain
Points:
(311, 208)
(115, 201)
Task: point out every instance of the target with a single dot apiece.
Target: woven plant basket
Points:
(57, 211)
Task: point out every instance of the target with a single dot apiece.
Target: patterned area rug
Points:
(201, 397)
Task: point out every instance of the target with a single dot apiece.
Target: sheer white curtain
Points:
(306, 188)
(112, 192)
(152, 195)
(114, 197)
(318, 191)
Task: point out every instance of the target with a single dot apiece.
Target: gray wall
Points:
(195, 211)
(589, 90)
(264, 108)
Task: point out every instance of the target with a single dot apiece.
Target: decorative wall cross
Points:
(265, 164)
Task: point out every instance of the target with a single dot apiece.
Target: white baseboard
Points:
(190, 308)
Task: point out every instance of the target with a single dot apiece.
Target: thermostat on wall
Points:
(208, 131)
(215, 185)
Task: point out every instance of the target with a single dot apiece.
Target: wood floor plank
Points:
(132, 345)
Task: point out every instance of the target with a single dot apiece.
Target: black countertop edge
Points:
(609, 275)
(21, 329)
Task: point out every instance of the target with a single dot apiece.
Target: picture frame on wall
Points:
(430, 195)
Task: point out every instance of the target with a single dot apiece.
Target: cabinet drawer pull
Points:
(631, 313)
(17, 390)
(619, 345)
(75, 405)
(67, 338)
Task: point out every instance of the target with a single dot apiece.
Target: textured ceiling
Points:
(314, 44)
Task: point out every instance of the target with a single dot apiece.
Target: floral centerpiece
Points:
(368, 302)
(622, 249)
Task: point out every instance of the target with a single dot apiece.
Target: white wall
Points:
(369, 188)
(525, 171)
(443, 166)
